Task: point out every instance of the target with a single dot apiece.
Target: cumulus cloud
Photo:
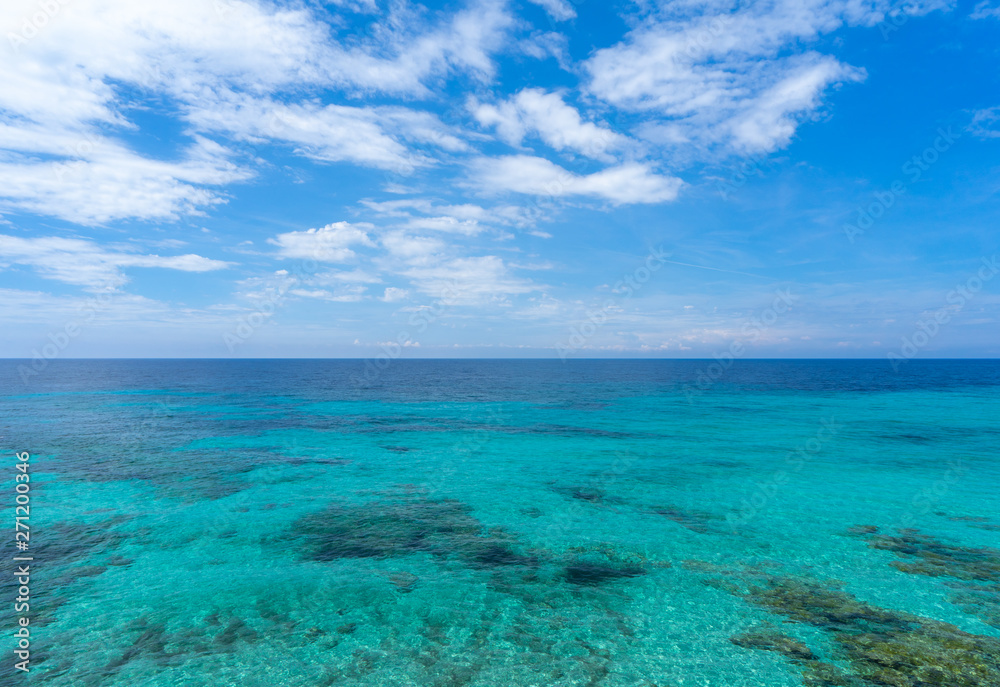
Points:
(331, 243)
(109, 182)
(624, 184)
(534, 111)
(64, 85)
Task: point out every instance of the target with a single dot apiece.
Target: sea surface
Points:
(505, 523)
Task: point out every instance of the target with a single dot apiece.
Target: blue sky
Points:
(359, 178)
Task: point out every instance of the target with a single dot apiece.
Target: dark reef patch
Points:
(586, 493)
(694, 520)
(570, 431)
(152, 641)
(317, 461)
(982, 601)
(883, 648)
(976, 521)
(386, 529)
(593, 573)
(926, 555)
(770, 639)
(976, 570)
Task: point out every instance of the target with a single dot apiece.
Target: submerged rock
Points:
(589, 573)
(236, 630)
(403, 581)
(385, 529)
(769, 639)
(929, 556)
(884, 648)
(694, 520)
(976, 571)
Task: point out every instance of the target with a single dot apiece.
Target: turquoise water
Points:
(490, 522)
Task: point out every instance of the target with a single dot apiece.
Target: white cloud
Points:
(84, 263)
(331, 243)
(627, 183)
(329, 133)
(468, 280)
(532, 110)
(771, 119)
(560, 10)
(449, 225)
(542, 45)
(413, 249)
(464, 219)
(369, 136)
(347, 294)
(727, 78)
(353, 277)
(393, 294)
(338, 287)
(64, 84)
(399, 62)
(404, 206)
(112, 183)
(986, 10)
(986, 123)
(357, 5)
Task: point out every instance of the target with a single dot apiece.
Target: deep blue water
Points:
(484, 522)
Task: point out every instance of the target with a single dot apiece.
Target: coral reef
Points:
(882, 647)
(928, 556)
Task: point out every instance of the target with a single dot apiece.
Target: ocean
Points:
(520, 523)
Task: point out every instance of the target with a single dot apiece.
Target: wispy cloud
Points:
(560, 10)
(625, 184)
(85, 263)
(986, 123)
(726, 78)
(986, 10)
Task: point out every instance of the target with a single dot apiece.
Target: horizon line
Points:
(553, 358)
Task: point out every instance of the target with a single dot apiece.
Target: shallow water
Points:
(483, 523)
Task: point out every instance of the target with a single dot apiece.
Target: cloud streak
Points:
(84, 263)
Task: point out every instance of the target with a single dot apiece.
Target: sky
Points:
(490, 178)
